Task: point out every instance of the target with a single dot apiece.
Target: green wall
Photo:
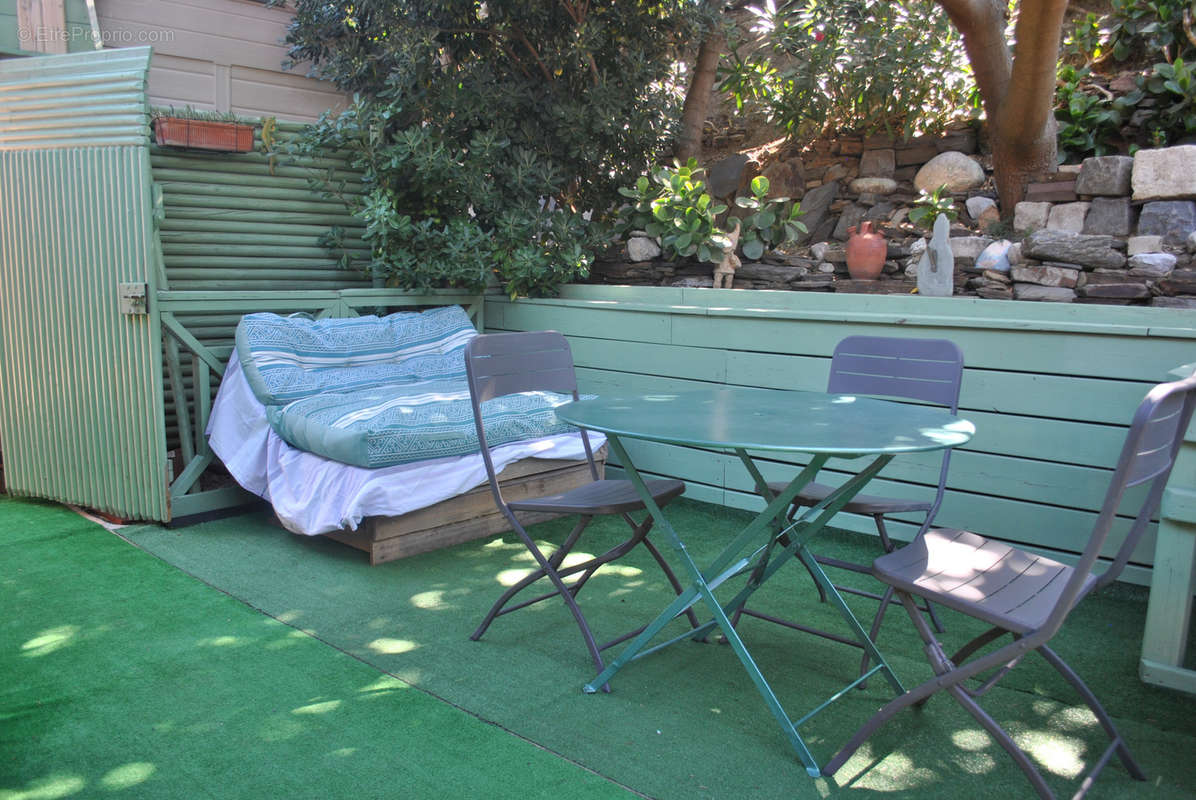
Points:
(1050, 387)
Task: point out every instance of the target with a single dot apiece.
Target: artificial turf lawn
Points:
(686, 722)
(121, 676)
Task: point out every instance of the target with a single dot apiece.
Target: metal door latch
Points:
(132, 298)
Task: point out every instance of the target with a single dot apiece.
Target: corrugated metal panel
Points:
(82, 415)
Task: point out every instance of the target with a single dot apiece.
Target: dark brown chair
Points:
(1024, 595)
(510, 363)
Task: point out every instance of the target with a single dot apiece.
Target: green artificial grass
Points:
(122, 677)
(686, 722)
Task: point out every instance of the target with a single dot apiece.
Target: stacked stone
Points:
(1115, 229)
(1123, 239)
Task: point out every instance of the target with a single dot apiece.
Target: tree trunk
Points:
(697, 98)
(1018, 92)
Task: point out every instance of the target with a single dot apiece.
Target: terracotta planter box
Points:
(202, 134)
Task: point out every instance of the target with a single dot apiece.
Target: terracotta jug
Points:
(866, 251)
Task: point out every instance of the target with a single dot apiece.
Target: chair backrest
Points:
(1151, 445)
(930, 370)
(499, 364)
(915, 369)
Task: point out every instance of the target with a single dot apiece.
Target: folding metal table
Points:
(746, 420)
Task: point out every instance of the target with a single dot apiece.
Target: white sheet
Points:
(313, 495)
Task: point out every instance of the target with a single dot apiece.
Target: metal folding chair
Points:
(1027, 596)
(510, 363)
(928, 370)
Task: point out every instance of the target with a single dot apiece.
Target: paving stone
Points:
(1068, 217)
(1143, 244)
(1181, 281)
(1171, 219)
(1030, 216)
(1046, 276)
(1073, 248)
(1032, 291)
(1117, 291)
(880, 163)
(1165, 173)
(1152, 265)
(881, 186)
(1111, 215)
(1173, 302)
(1105, 176)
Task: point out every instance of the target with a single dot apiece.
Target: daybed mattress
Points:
(375, 392)
(313, 495)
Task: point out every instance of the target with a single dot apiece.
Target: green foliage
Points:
(478, 116)
(1135, 28)
(865, 65)
(929, 205)
(1160, 111)
(1089, 123)
(674, 207)
(769, 224)
(187, 112)
(1132, 30)
(1173, 116)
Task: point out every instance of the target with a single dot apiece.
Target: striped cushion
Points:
(288, 358)
(377, 392)
(408, 422)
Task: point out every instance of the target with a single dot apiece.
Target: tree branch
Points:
(1026, 107)
(982, 24)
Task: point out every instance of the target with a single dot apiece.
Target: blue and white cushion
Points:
(374, 392)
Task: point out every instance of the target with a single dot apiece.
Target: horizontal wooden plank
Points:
(933, 312)
(1050, 388)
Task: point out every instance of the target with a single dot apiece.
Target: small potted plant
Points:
(202, 130)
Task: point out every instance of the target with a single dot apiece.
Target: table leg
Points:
(725, 565)
(801, 531)
(722, 568)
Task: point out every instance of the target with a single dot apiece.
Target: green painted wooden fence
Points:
(1050, 387)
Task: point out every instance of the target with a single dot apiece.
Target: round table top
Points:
(769, 419)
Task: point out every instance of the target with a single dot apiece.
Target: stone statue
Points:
(936, 270)
(724, 273)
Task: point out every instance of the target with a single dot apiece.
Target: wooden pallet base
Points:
(468, 516)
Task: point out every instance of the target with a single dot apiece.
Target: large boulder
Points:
(1165, 174)
(952, 169)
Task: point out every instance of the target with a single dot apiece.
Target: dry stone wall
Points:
(1113, 230)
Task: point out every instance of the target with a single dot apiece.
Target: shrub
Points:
(672, 205)
(865, 65)
(474, 118)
